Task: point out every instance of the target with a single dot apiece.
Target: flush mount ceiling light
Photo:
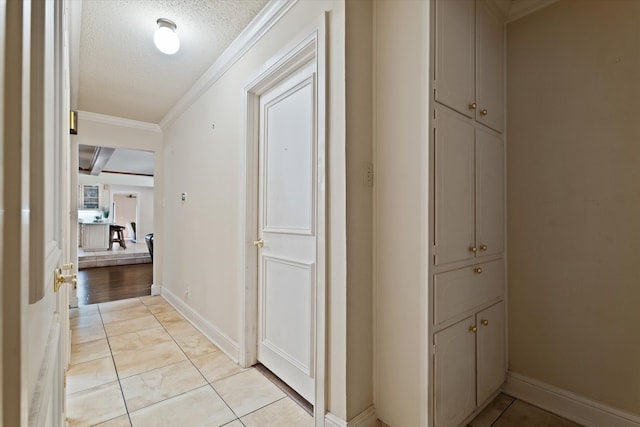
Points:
(165, 37)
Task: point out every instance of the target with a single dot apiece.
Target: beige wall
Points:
(574, 199)
(359, 152)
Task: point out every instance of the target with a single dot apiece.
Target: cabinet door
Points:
(490, 200)
(489, 66)
(455, 54)
(90, 197)
(491, 351)
(455, 373)
(454, 187)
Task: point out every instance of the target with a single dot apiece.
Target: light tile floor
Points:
(139, 363)
(505, 411)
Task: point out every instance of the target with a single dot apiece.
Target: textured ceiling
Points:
(122, 74)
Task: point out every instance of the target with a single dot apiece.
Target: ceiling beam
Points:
(100, 158)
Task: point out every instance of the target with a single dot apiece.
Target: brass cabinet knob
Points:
(485, 322)
(483, 247)
(259, 243)
(473, 329)
(473, 106)
(477, 270)
(473, 249)
(484, 112)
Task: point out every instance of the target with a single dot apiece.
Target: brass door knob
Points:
(473, 106)
(477, 270)
(473, 329)
(259, 243)
(484, 112)
(485, 322)
(473, 249)
(483, 247)
(60, 279)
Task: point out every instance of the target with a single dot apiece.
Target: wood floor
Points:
(104, 284)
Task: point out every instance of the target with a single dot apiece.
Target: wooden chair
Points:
(116, 234)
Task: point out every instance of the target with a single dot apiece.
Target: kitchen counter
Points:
(95, 236)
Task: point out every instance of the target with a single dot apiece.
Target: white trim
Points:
(219, 338)
(366, 418)
(521, 8)
(75, 22)
(582, 410)
(331, 420)
(267, 18)
(117, 121)
(155, 289)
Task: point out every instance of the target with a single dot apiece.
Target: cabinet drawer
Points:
(458, 291)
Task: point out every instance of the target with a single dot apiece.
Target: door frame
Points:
(308, 48)
(121, 193)
(76, 140)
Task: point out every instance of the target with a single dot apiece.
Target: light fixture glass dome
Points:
(165, 37)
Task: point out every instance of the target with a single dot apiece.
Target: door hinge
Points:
(367, 174)
(433, 349)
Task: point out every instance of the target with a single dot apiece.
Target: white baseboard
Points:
(366, 418)
(219, 338)
(582, 410)
(156, 289)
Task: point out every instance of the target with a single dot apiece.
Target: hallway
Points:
(139, 363)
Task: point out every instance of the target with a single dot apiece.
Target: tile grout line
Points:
(187, 356)
(210, 383)
(191, 361)
(503, 412)
(115, 367)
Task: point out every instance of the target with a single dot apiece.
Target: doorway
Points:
(124, 178)
(125, 213)
(284, 299)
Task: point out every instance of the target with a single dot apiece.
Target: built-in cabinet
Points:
(469, 65)
(469, 189)
(95, 236)
(91, 196)
(468, 213)
(440, 242)
(469, 364)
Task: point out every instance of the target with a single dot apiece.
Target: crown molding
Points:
(521, 8)
(118, 121)
(257, 28)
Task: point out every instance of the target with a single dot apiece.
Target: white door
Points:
(35, 336)
(287, 230)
